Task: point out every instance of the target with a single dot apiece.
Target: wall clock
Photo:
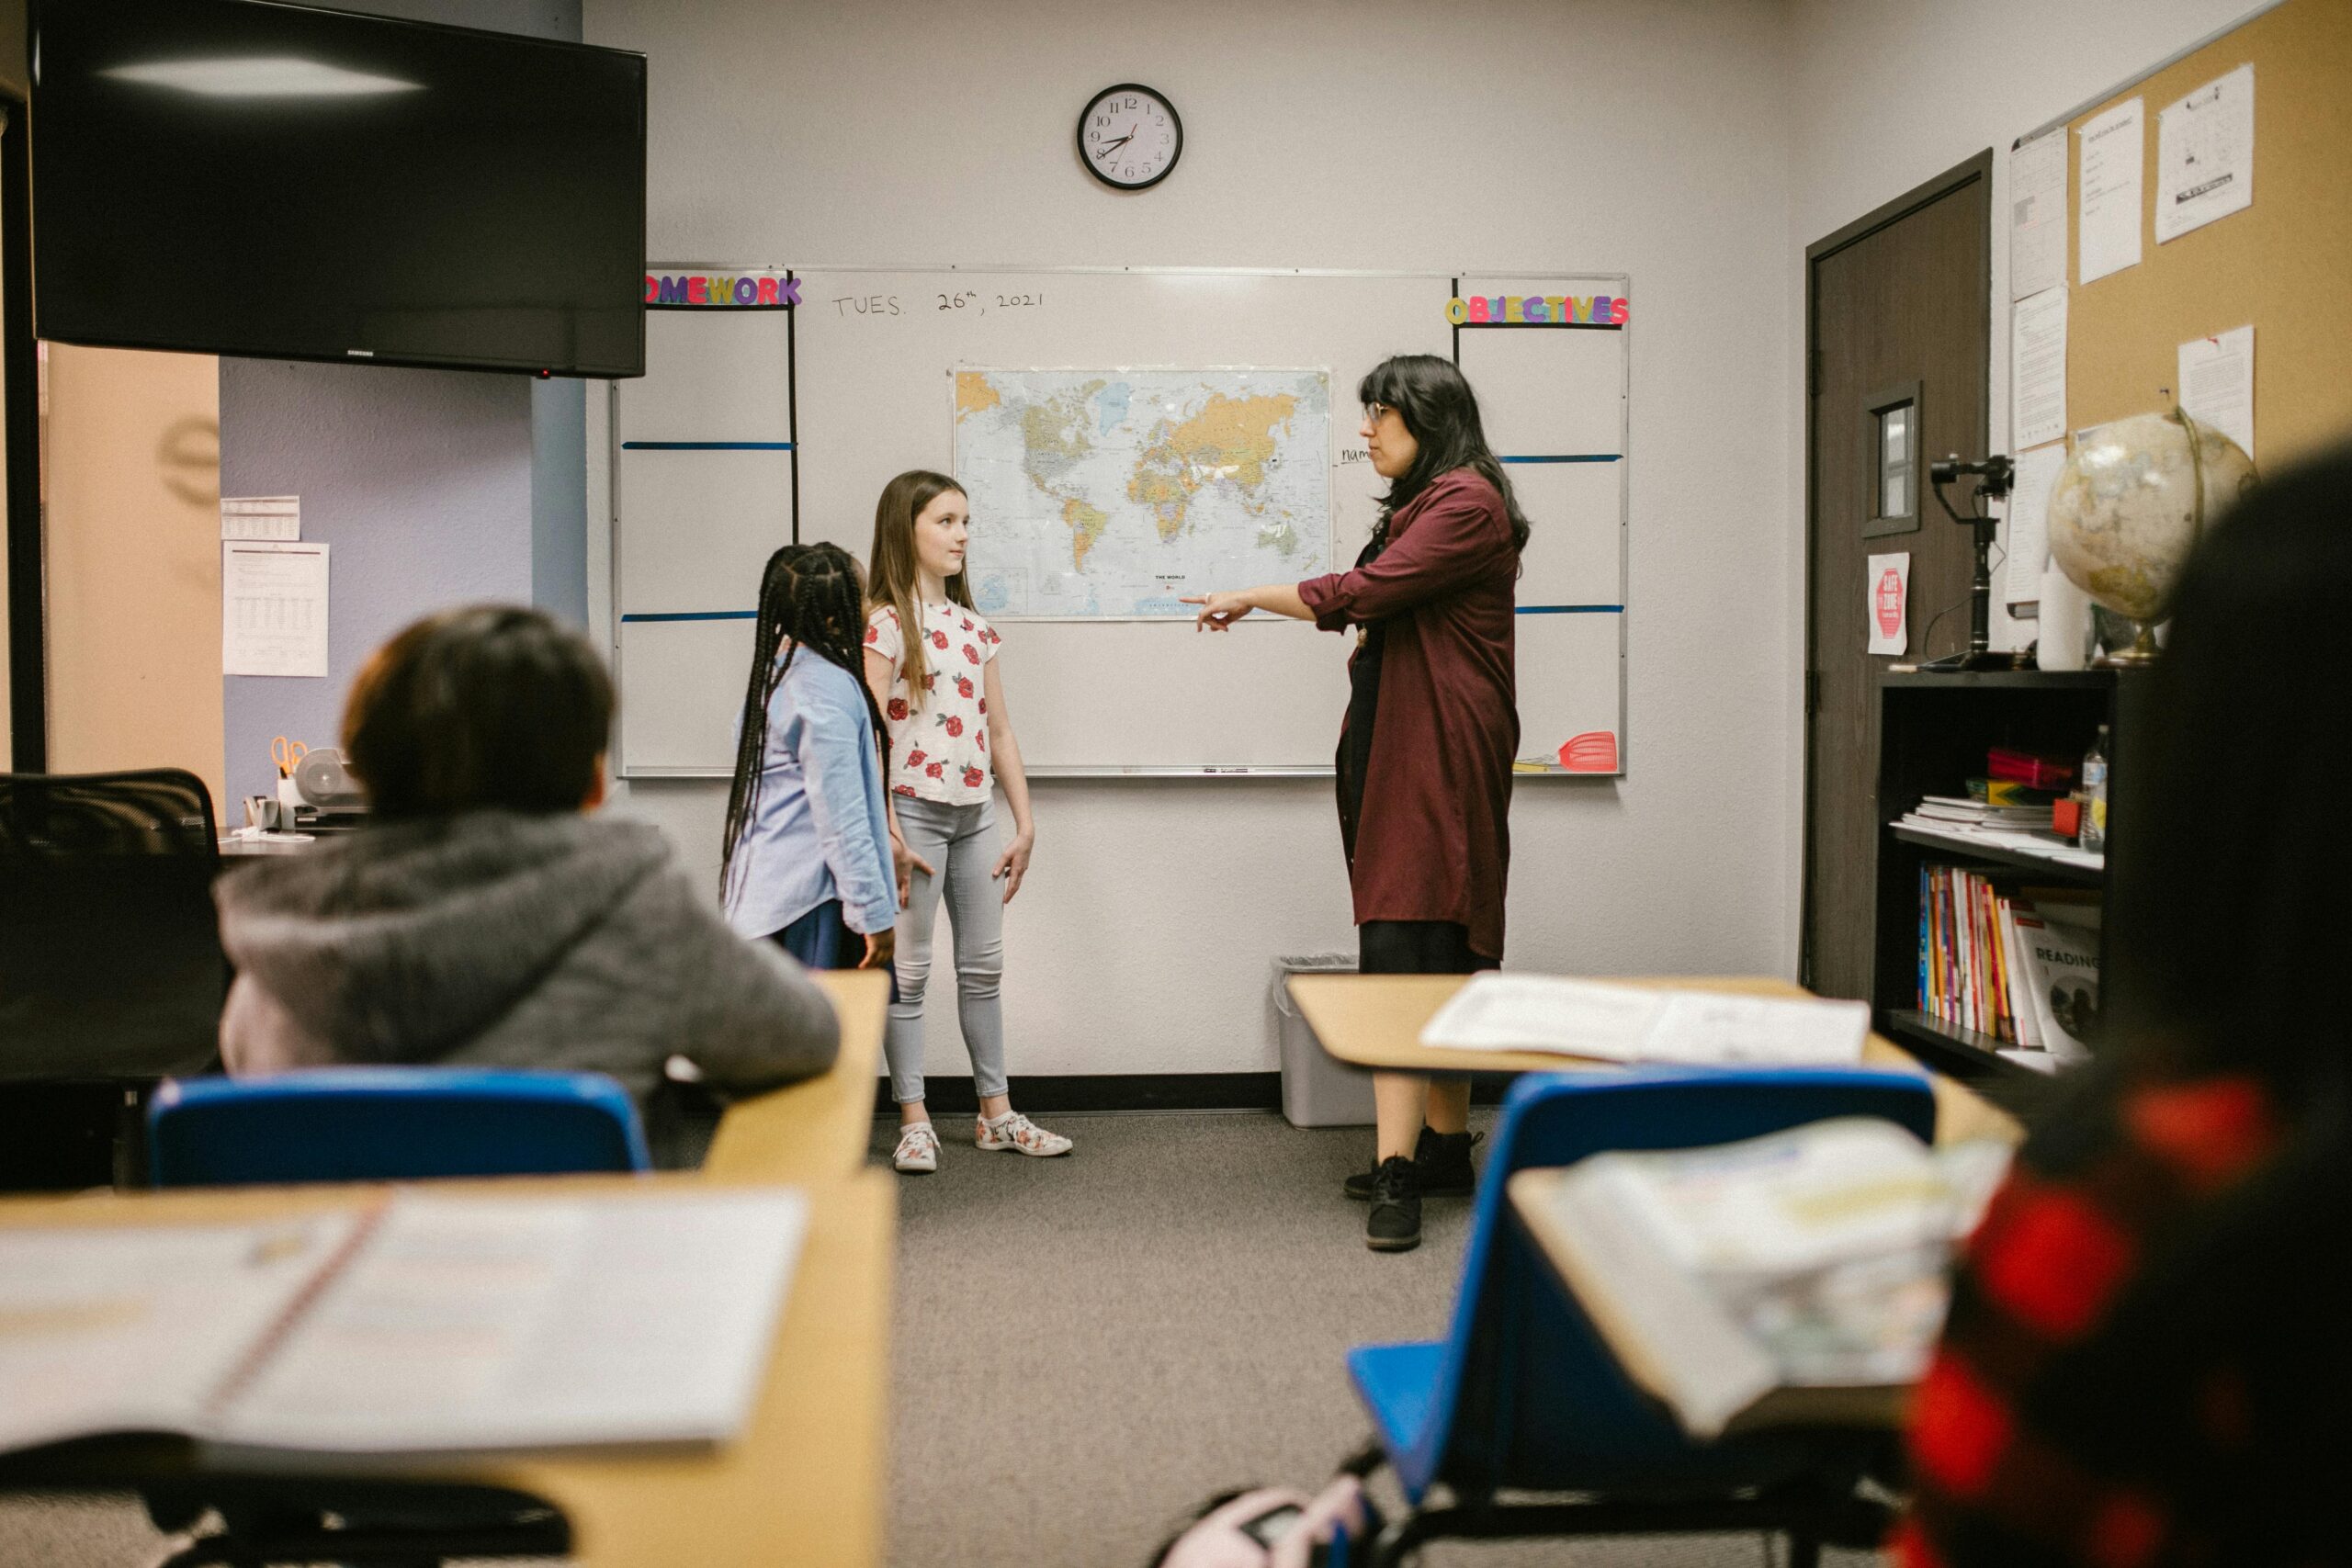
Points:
(1129, 137)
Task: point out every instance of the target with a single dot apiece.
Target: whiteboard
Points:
(740, 411)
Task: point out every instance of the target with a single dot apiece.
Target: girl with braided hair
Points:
(808, 858)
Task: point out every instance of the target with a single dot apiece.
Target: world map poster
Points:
(1109, 494)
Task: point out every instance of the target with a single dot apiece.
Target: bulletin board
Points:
(2279, 265)
(753, 427)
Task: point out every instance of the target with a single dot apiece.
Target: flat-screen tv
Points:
(230, 177)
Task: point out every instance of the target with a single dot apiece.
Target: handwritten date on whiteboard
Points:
(971, 301)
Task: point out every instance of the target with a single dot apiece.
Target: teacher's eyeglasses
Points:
(1374, 412)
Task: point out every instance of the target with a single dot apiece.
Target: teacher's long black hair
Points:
(811, 595)
(1431, 396)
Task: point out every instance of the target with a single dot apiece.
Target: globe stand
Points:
(2142, 653)
(1992, 477)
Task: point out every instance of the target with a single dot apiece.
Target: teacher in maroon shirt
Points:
(1425, 753)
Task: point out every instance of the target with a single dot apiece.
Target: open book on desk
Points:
(1791, 1279)
(1611, 1022)
(421, 1325)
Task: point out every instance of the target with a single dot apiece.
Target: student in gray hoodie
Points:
(486, 915)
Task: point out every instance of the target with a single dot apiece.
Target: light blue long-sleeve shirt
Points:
(820, 830)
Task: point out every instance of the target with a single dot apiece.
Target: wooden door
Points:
(1897, 314)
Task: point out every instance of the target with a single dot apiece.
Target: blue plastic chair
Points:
(1523, 1395)
(389, 1125)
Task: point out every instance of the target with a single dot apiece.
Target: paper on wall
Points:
(273, 608)
(2029, 541)
(2205, 155)
(2217, 383)
(1889, 590)
(2038, 369)
(2110, 197)
(2038, 214)
(261, 516)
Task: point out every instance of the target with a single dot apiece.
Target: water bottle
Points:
(2095, 796)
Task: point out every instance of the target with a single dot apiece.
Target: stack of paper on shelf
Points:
(1982, 814)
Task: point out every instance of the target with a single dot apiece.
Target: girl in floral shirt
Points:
(932, 662)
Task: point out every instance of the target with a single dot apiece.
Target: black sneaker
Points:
(1444, 1160)
(1395, 1222)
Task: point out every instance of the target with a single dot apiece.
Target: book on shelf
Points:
(2061, 950)
(2008, 792)
(2013, 766)
(1799, 1278)
(1951, 808)
(2000, 959)
(418, 1324)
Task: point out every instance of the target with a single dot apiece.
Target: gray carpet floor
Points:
(1088, 1347)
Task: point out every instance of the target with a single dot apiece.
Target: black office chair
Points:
(111, 973)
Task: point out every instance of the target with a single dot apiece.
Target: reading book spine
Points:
(1926, 1005)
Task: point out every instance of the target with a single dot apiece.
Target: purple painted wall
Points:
(421, 482)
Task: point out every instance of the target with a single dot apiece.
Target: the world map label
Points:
(1109, 494)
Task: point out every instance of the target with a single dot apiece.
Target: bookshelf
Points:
(1934, 729)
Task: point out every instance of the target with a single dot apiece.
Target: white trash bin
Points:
(1318, 1091)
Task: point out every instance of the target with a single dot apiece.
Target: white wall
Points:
(1609, 134)
(1889, 94)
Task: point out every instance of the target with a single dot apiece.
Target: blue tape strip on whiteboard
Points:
(1551, 610)
(1577, 458)
(706, 446)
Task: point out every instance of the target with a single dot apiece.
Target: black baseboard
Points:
(1069, 1093)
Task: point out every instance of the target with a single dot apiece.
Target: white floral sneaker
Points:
(918, 1148)
(1015, 1132)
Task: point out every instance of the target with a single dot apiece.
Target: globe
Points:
(2129, 505)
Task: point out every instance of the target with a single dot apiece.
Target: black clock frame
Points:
(1078, 137)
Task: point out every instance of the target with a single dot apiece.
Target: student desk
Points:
(818, 1128)
(804, 1481)
(1375, 1021)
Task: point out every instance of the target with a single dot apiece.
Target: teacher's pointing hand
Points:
(1219, 611)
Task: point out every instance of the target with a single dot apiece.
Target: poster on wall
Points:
(2109, 223)
(2205, 155)
(2038, 214)
(273, 608)
(2038, 369)
(2217, 383)
(1890, 603)
(2029, 536)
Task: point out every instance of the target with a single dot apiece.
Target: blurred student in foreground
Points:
(2149, 1358)
(486, 915)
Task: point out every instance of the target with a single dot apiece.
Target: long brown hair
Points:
(893, 577)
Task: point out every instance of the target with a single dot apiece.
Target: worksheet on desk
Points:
(1610, 1022)
(135, 1329)
(467, 1324)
